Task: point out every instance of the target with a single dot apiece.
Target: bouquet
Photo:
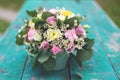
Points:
(53, 36)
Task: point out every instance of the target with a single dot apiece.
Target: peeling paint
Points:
(1, 58)
(111, 55)
(1, 79)
(114, 45)
(2, 70)
(103, 73)
(33, 78)
(94, 79)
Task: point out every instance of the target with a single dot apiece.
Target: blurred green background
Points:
(111, 7)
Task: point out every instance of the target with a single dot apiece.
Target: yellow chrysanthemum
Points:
(67, 13)
(53, 34)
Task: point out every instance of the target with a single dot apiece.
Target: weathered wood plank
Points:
(99, 67)
(12, 57)
(110, 41)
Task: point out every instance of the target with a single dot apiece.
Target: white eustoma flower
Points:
(37, 37)
(61, 17)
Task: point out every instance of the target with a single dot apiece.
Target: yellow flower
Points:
(67, 13)
(31, 24)
(53, 34)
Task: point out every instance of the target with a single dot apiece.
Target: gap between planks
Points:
(26, 61)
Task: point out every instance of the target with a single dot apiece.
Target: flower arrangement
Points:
(53, 36)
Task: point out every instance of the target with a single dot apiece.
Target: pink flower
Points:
(80, 31)
(72, 47)
(44, 45)
(70, 34)
(51, 20)
(54, 11)
(30, 34)
(56, 50)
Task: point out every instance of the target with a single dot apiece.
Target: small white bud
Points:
(75, 24)
(75, 21)
(86, 26)
(19, 36)
(67, 25)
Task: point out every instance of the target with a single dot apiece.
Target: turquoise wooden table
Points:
(105, 64)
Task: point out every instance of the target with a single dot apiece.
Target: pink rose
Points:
(56, 50)
(30, 34)
(51, 20)
(44, 45)
(80, 31)
(54, 11)
(70, 34)
(72, 47)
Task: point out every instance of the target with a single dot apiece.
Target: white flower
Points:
(80, 43)
(86, 26)
(53, 34)
(39, 15)
(37, 37)
(61, 17)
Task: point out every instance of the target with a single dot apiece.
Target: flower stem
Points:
(69, 72)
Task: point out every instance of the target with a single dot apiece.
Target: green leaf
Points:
(80, 63)
(89, 43)
(71, 21)
(49, 64)
(74, 53)
(83, 55)
(66, 18)
(34, 20)
(38, 23)
(32, 13)
(19, 37)
(45, 15)
(61, 60)
(19, 40)
(43, 58)
(35, 63)
(22, 32)
(59, 22)
(78, 75)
